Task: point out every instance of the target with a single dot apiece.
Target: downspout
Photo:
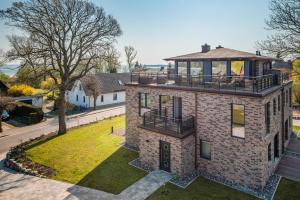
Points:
(195, 124)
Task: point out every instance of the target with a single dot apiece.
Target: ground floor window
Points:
(115, 97)
(83, 99)
(205, 150)
(269, 152)
(76, 97)
(102, 98)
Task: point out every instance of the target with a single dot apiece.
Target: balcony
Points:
(178, 128)
(248, 84)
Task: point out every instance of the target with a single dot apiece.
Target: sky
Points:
(158, 29)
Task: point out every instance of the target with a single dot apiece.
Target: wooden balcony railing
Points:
(171, 126)
(253, 84)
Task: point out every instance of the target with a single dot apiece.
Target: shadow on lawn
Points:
(114, 174)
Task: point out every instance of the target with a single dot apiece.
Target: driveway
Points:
(15, 136)
(289, 165)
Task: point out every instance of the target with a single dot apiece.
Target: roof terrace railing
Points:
(254, 84)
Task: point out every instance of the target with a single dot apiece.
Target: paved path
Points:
(16, 186)
(17, 135)
(289, 165)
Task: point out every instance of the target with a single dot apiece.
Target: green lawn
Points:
(90, 156)
(200, 189)
(288, 190)
(207, 190)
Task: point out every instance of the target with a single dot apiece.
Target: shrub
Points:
(21, 90)
(27, 114)
(52, 95)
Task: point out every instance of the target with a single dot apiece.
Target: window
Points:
(276, 146)
(83, 99)
(237, 68)
(274, 106)
(115, 97)
(219, 68)
(76, 97)
(80, 88)
(163, 105)
(102, 98)
(278, 103)
(205, 151)
(196, 68)
(286, 98)
(267, 117)
(290, 97)
(144, 102)
(269, 152)
(182, 67)
(238, 120)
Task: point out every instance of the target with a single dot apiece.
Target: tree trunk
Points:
(62, 112)
(95, 101)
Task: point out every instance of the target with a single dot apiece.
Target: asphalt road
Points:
(15, 136)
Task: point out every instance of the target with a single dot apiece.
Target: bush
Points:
(21, 90)
(27, 114)
(52, 95)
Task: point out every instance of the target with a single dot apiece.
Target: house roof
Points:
(105, 82)
(219, 54)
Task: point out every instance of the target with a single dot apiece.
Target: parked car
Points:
(5, 116)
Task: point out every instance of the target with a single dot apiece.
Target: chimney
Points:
(258, 53)
(205, 48)
(219, 47)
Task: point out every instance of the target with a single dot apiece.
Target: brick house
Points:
(223, 112)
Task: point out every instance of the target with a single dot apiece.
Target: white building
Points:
(109, 87)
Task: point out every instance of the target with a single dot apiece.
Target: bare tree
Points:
(92, 87)
(285, 21)
(6, 103)
(64, 36)
(130, 56)
(112, 60)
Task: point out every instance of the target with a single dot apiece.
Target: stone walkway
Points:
(16, 186)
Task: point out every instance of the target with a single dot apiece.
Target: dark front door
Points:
(165, 156)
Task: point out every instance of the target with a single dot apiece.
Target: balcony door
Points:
(177, 107)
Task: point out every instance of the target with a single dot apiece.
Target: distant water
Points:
(10, 69)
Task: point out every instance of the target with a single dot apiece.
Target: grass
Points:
(288, 190)
(200, 189)
(89, 156)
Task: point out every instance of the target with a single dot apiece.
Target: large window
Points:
(144, 103)
(196, 68)
(182, 67)
(269, 152)
(274, 106)
(279, 103)
(205, 151)
(219, 68)
(238, 120)
(267, 117)
(237, 68)
(163, 105)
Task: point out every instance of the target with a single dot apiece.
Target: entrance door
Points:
(177, 107)
(165, 156)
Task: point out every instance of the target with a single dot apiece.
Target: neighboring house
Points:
(283, 66)
(3, 89)
(110, 89)
(224, 112)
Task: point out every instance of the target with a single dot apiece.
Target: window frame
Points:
(146, 102)
(267, 117)
(210, 154)
(232, 121)
(115, 96)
